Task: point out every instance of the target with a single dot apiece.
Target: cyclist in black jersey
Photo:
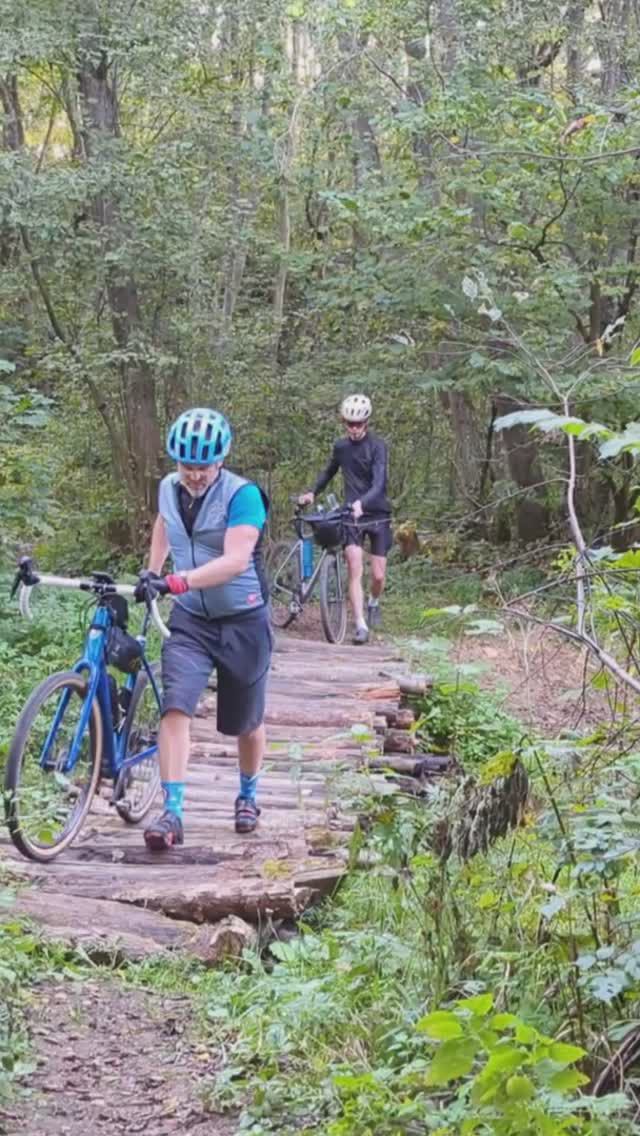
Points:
(362, 457)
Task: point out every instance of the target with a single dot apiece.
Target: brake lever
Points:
(25, 575)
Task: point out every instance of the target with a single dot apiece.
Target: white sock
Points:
(373, 601)
(362, 625)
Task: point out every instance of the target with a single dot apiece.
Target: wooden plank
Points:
(104, 929)
(287, 644)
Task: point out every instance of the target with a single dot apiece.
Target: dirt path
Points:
(537, 676)
(114, 1061)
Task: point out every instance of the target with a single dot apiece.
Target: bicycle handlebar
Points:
(24, 595)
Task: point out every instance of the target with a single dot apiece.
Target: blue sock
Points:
(248, 786)
(173, 796)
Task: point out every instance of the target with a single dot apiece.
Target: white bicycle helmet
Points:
(356, 408)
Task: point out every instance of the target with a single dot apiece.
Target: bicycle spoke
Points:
(333, 598)
(284, 577)
(52, 769)
(138, 785)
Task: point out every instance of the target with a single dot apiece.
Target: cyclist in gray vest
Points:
(210, 521)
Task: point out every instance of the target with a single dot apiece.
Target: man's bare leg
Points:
(355, 561)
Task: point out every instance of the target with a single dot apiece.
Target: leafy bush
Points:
(457, 717)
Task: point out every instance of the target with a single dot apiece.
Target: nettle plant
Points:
(510, 1079)
(595, 900)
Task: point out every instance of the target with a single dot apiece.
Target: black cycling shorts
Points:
(239, 647)
(377, 529)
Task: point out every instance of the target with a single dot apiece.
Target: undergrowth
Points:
(490, 997)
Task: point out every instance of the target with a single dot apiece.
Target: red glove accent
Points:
(177, 584)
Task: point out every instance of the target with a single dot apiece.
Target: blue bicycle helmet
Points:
(199, 437)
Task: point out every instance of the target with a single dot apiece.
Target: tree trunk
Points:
(523, 461)
(468, 455)
(575, 25)
(416, 52)
(13, 140)
(365, 156)
(140, 427)
(612, 43)
(241, 208)
(287, 154)
(12, 125)
(448, 36)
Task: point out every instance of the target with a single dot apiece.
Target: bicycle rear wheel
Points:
(138, 785)
(46, 798)
(283, 569)
(333, 597)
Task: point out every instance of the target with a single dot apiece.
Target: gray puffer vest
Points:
(240, 594)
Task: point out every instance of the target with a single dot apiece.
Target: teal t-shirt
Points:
(247, 508)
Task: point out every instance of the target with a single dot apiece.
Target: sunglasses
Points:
(352, 425)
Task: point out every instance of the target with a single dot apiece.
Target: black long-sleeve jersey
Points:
(364, 471)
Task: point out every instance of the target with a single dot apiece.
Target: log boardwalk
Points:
(108, 894)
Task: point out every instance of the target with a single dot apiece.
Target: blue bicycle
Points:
(78, 727)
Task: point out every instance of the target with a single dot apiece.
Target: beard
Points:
(195, 493)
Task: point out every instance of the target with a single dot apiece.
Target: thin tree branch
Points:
(386, 74)
(47, 139)
(42, 287)
(584, 640)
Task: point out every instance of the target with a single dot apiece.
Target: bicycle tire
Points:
(333, 598)
(130, 810)
(55, 684)
(283, 570)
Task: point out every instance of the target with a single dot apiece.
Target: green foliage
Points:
(522, 1081)
(26, 505)
(29, 651)
(423, 199)
(458, 718)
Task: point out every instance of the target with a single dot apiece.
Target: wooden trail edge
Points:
(108, 896)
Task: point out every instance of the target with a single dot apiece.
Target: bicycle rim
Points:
(283, 568)
(47, 799)
(333, 598)
(138, 785)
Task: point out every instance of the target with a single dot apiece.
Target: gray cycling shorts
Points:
(239, 647)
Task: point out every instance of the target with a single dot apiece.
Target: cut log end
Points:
(399, 741)
(415, 684)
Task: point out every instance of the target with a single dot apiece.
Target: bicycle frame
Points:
(94, 662)
(306, 586)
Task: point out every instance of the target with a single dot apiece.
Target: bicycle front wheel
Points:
(333, 597)
(53, 768)
(137, 787)
(283, 569)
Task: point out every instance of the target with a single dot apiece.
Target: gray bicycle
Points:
(291, 587)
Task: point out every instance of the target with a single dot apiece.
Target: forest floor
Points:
(112, 1060)
(538, 677)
